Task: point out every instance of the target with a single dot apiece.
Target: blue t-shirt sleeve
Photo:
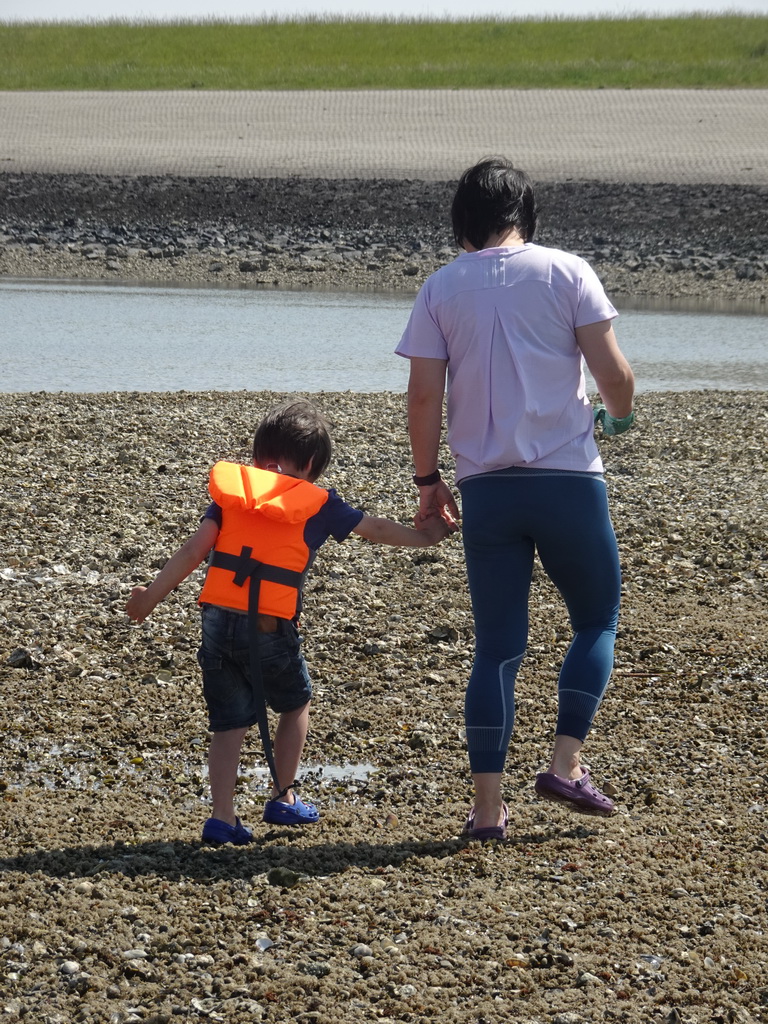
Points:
(335, 519)
(213, 512)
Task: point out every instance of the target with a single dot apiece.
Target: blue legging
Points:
(506, 517)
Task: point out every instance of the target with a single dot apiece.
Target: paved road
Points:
(675, 136)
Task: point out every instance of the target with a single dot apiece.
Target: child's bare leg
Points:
(290, 737)
(223, 762)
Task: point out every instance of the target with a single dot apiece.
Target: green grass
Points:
(706, 51)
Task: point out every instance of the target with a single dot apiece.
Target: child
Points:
(264, 526)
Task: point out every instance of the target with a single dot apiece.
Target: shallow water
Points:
(64, 336)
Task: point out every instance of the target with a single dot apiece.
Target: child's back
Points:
(261, 534)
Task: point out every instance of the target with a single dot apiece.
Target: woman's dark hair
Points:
(294, 432)
(492, 197)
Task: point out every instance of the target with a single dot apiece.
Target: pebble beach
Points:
(111, 909)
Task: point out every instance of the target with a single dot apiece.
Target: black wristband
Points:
(427, 481)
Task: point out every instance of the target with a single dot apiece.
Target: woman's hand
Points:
(438, 500)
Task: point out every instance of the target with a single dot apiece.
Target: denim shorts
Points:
(224, 657)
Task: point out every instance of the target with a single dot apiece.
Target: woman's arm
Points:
(613, 374)
(426, 388)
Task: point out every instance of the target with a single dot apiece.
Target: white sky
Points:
(79, 10)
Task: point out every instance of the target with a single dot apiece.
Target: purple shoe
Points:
(580, 794)
(492, 832)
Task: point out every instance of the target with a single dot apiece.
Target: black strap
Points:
(256, 676)
(247, 568)
(243, 566)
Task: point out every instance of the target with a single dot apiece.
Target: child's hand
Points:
(138, 607)
(434, 526)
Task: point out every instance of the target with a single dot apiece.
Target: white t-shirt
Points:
(504, 319)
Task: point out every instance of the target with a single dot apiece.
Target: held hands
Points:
(437, 509)
(434, 527)
(612, 426)
(438, 500)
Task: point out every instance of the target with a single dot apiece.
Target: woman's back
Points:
(505, 318)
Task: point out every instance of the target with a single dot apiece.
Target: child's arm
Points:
(144, 599)
(387, 531)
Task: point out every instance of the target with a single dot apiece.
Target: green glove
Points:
(610, 424)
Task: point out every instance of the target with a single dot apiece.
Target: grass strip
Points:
(698, 51)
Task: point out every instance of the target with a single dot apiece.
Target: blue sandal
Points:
(298, 813)
(217, 832)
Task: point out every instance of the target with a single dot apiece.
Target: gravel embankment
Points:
(707, 242)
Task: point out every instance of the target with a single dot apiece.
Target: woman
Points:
(509, 322)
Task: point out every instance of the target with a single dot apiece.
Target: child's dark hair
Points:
(492, 197)
(294, 432)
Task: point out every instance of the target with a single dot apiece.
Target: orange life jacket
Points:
(261, 536)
